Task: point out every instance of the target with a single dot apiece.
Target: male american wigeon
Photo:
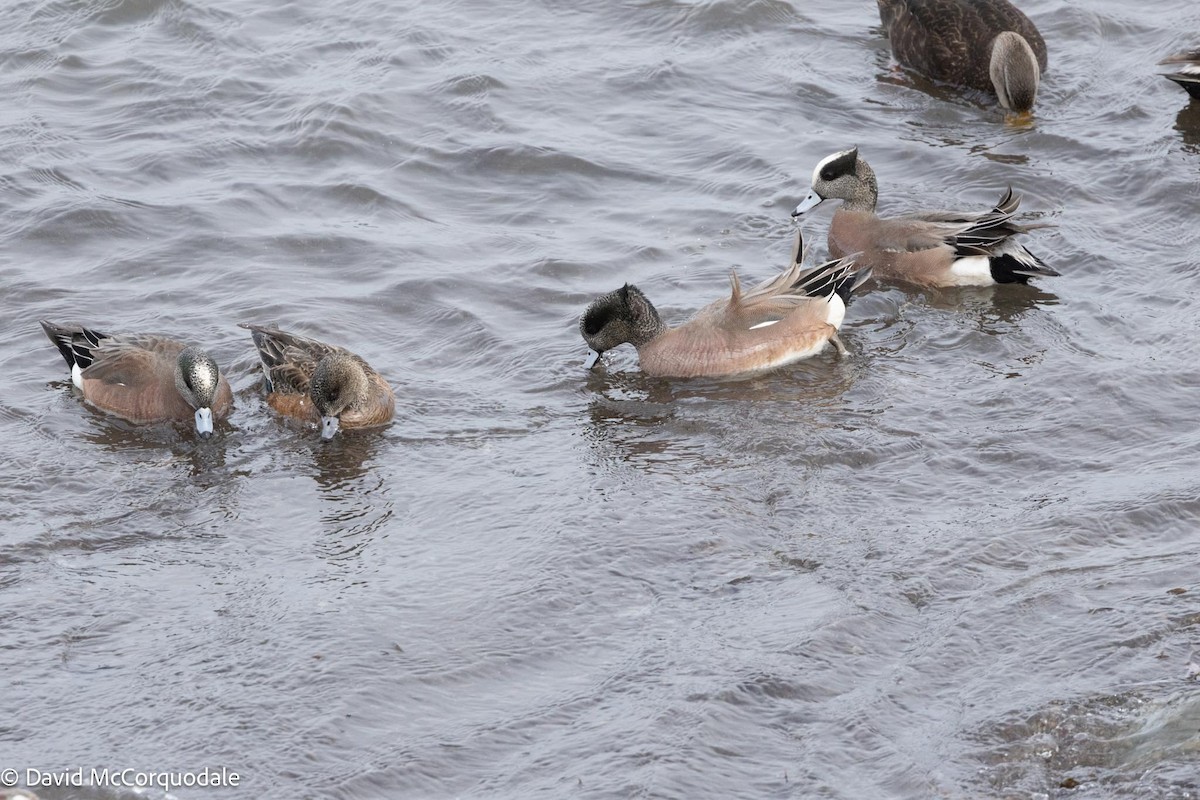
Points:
(984, 44)
(783, 319)
(928, 249)
(1185, 70)
(321, 383)
(142, 377)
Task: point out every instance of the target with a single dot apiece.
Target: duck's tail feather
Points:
(841, 276)
(74, 342)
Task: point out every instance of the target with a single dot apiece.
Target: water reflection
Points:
(357, 504)
(991, 305)
(895, 75)
(1187, 122)
(206, 458)
(638, 421)
(1106, 740)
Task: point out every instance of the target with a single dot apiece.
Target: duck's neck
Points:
(866, 194)
(646, 324)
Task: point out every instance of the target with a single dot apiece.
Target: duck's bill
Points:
(809, 203)
(204, 422)
(329, 427)
(592, 358)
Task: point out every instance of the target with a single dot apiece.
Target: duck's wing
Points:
(288, 359)
(132, 360)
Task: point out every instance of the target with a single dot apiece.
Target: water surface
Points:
(960, 562)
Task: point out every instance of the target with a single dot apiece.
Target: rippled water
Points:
(960, 562)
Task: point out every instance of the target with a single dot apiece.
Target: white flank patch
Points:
(77, 376)
(766, 324)
(971, 271)
(837, 311)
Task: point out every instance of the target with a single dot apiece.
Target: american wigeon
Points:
(783, 319)
(984, 44)
(321, 383)
(1186, 72)
(929, 249)
(142, 377)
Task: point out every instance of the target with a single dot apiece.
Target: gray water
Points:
(960, 562)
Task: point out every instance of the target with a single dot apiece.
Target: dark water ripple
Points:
(958, 562)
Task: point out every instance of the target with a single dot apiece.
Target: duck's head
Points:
(841, 176)
(197, 378)
(613, 319)
(338, 383)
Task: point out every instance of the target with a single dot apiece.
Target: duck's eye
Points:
(595, 320)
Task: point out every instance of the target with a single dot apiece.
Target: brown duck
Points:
(984, 44)
(143, 378)
(321, 383)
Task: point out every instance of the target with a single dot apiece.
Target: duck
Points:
(926, 249)
(983, 44)
(1186, 70)
(320, 383)
(784, 319)
(143, 378)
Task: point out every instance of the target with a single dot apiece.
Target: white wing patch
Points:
(766, 324)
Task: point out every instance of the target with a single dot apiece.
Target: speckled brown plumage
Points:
(950, 40)
(289, 361)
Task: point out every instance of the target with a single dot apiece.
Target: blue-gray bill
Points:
(204, 422)
(808, 203)
(329, 427)
(593, 357)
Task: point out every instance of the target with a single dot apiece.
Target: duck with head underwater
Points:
(983, 44)
(321, 383)
(781, 320)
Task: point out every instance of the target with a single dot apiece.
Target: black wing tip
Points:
(1189, 83)
(60, 336)
(1007, 269)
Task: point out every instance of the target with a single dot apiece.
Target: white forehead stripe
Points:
(820, 165)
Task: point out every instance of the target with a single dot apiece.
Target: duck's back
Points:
(133, 377)
(950, 40)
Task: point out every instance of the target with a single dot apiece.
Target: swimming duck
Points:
(320, 383)
(143, 378)
(784, 319)
(984, 44)
(928, 249)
